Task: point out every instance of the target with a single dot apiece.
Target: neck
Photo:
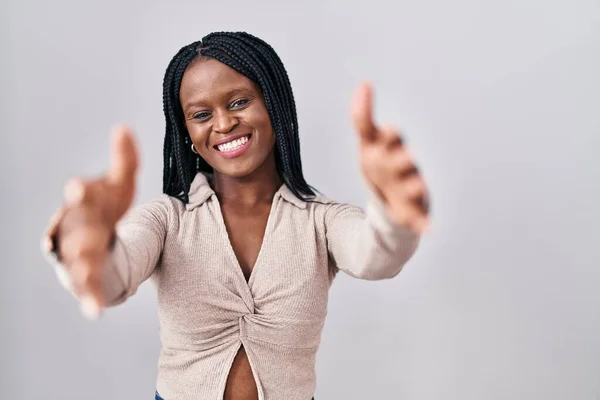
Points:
(257, 188)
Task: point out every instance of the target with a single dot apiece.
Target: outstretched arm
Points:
(101, 256)
(376, 244)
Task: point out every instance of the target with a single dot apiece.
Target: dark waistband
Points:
(157, 397)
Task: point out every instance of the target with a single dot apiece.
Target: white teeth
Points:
(233, 145)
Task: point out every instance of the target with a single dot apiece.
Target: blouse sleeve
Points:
(367, 244)
(135, 253)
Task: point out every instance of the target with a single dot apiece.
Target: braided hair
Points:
(256, 60)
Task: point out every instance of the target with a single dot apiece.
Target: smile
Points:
(235, 147)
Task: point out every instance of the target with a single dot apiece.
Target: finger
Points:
(390, 136)
(84, 275)
(415, 192)
(123, 157)
(421, 225)
(94, 285)
(50, 234)
(424, 204)
(401, 163)
(406, 212)
(75, 192)
(414, 187)
(412, 170)
(78, 192)
(416, 220)
(362, 113)
(91, 308)
(87, 266)
(87, 278)
(82, 237)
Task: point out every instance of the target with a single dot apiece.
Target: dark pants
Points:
(157, 397)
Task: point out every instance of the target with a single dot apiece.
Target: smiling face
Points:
(227, 119)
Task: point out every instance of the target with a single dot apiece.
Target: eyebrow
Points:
(230, 93)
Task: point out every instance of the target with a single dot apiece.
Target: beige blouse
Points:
(206, 308)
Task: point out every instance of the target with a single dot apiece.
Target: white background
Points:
(500, 104)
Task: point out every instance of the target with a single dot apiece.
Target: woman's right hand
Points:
(87, 225)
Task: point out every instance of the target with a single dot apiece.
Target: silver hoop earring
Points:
(194, 149)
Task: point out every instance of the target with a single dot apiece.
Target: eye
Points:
(201, 116)
(238, 104)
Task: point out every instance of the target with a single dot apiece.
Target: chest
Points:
(282, 252)
(246, 227)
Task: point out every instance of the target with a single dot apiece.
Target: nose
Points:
(225, 122)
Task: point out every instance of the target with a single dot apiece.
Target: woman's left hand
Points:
(389, 168)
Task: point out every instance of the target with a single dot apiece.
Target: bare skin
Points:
(219, 103)
(245, 217)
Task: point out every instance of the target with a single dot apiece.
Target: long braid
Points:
(178, 158)
(256, 60)
(285, 94)
(283, 83)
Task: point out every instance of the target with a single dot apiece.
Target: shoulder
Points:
(162, 209)
(319, 201)
(331, 207)
(164, 203)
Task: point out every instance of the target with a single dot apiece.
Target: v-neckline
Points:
(229, 246)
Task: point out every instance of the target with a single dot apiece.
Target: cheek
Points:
(199, 136)
(262, 121)
(269, 131)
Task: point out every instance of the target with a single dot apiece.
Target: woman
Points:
(241, 249)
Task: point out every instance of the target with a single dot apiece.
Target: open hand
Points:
(389, 168)
(87, 221)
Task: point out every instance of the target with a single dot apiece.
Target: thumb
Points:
(362, 112)
(123, 157)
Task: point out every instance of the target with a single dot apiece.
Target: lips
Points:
(233, 146)
(232, 143)
(230, 138)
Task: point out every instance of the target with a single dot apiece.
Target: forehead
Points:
(205, 79)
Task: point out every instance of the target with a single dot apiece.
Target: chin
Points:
(236, 169)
